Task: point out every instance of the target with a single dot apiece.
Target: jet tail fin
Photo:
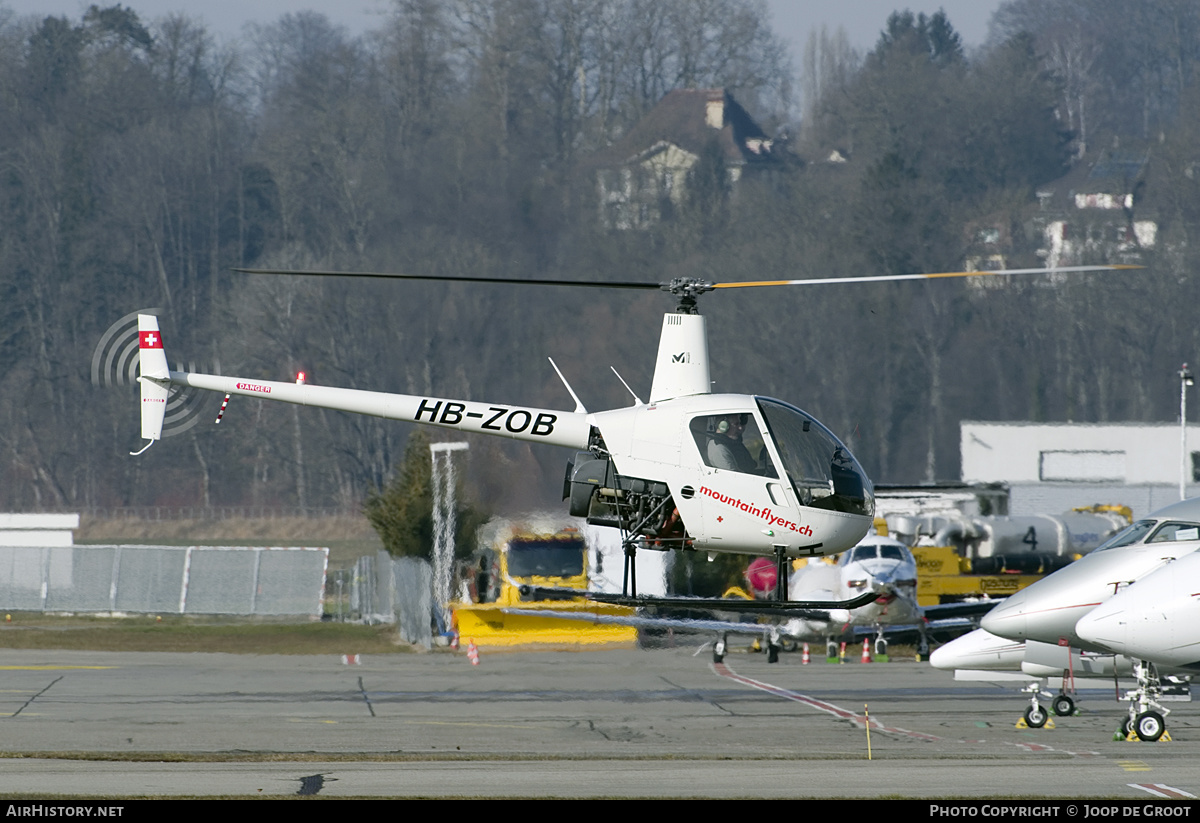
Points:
(154, 379)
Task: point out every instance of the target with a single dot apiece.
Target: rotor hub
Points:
(687, 289)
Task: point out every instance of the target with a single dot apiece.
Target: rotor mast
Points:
(681, 367)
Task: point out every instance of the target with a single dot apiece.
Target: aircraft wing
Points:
(974, 608)
(778, 608)
(892, 630)
(647, 622)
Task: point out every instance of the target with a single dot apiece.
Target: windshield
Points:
(552, 557)
(1131, 534)
(822, 470)
(871, 552)
(1172, 532)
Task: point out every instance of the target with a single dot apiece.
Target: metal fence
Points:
(212, 513)
(236, 580)
(386, 589)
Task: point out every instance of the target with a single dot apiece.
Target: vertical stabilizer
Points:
(152, 362)
(682, 365)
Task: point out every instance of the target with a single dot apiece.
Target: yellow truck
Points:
(491, 583)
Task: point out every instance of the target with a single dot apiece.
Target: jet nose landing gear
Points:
(1147, 717)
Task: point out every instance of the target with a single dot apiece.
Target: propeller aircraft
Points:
(876, 581)
(685, 469)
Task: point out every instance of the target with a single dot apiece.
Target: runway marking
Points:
(1134, 765)
(829, 708)
(49, 668)
(1162, 790)
(857, 720)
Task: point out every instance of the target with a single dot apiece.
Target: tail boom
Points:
(557, 428)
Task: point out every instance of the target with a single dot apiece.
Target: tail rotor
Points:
(124, 352)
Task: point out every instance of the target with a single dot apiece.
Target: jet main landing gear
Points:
(1036, 716)
(1063, 705)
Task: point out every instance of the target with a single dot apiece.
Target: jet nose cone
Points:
(977, 650)
(947, 657)
(1105, 628)
(1046, 612)
(1009, 618)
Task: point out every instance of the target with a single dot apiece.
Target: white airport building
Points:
(1054, 467)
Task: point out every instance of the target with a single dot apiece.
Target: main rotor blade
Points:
(878, 278)
(595, 284)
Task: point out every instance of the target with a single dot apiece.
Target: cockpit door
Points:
(741, 496)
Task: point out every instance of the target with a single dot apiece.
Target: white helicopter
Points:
(686, 469)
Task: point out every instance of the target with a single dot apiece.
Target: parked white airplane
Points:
(1157, 620)
(1048, 610)
(981, 655)
(1051, 610)
(878, 566)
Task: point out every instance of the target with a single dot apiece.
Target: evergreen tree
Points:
(402, 512)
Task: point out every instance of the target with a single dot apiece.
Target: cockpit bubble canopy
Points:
(822, 471)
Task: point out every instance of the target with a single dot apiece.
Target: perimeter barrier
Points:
(235, 580)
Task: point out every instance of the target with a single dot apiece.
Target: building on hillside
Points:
(1053, 467)
(644, 177)
(1098, 212)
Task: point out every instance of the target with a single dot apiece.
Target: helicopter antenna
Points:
(578, 403)
(636, 400)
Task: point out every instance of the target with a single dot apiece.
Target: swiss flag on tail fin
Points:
(149, 340)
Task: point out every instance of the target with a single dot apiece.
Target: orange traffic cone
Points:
(866, 655)
(473, 653)
(804, 656)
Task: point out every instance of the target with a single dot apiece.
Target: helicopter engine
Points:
(635, 505)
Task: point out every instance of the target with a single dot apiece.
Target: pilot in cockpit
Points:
(726, 449)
